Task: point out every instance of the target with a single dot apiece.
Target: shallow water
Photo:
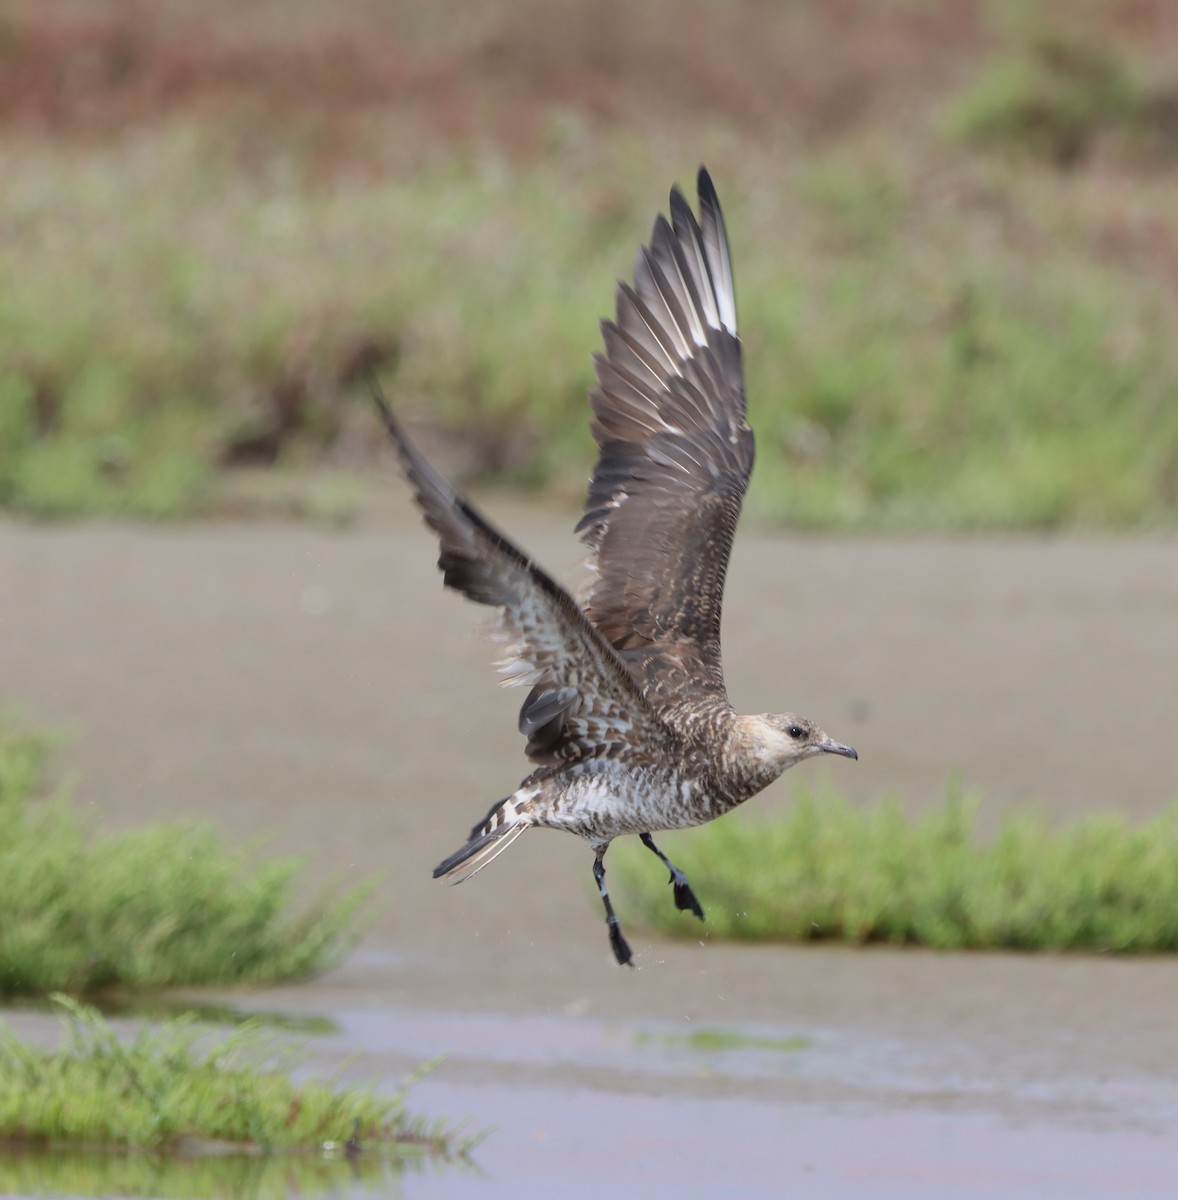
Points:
(856, 1103)
(320, 688)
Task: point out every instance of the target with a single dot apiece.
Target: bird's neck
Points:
(755, 754)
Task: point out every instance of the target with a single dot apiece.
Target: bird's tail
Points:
(503, 824)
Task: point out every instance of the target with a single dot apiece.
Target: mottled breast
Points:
(602, 799)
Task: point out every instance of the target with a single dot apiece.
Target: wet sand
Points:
(319, 687)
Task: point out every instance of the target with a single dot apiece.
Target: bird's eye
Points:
(796, 732)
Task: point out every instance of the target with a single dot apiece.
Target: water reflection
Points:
(228, 1177)
(163, 1006)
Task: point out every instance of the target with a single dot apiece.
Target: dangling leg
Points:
(618, 943)
(684, 896)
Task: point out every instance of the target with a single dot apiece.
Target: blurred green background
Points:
(955, 228)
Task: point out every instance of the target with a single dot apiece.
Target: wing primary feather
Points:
(445, 509)
(443, 505)
(637, 321)
(690, 239)
(655, 291)
(622, 347)
(715, 239)
(676, 274)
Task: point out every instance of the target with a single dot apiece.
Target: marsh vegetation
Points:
(953, 227)
(166, 904)
(177, 1087)
(827, 870)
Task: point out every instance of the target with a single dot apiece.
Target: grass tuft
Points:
(173, 1088)
(159, 906)
(826, 870)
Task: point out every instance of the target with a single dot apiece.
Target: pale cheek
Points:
(783, 753)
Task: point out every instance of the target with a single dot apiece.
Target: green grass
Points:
(907, 368)
(164, 905)
(828, 871)
(936, 337)
(175, 1087)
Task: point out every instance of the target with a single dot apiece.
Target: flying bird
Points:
(627, 721)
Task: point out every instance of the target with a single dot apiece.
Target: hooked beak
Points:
(830, 746)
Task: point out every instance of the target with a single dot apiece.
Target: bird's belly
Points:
(613, 799)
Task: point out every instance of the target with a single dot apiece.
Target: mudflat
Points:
(320, 689)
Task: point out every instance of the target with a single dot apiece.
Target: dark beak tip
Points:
(833, 747)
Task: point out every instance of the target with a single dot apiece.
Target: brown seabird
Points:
(628, 720)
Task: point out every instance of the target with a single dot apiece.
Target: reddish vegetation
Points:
(490, 72)
(493, 72)
(86, 70)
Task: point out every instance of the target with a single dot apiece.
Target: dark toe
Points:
(685, 900)
(620, 946)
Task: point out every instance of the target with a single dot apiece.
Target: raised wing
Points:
(676, 453)
(584, 703)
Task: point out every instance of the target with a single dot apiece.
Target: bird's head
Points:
(776, 741)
